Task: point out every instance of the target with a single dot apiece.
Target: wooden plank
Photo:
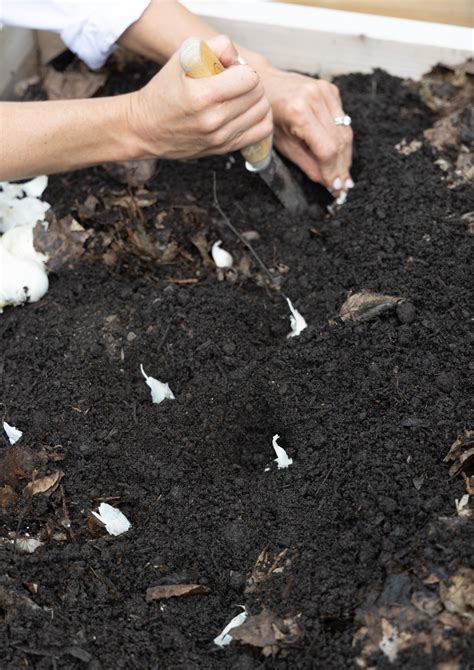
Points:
(455, 12)
(332, 42)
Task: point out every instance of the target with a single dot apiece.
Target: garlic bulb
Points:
(20, 204)
(21, 280)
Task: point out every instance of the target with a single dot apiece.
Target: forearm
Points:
(47, 137)
(164, 26)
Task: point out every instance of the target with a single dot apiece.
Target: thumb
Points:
(224, 49)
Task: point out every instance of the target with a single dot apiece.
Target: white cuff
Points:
(94, 37)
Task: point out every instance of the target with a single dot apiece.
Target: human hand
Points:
(304, 111)
(177, 117)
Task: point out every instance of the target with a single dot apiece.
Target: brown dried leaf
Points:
(131, 203)
(24, 84)
(72, 84)
(269, 632)
(131, 173)
(444, 132)
(46, 484)
(63, 241)
(457, 594)
(18, 463)
(394, 621)
(265, 566)
(147, 245)
(202, 245)
(8, 496)
(365, 305)
(461, 454)
(175, 591)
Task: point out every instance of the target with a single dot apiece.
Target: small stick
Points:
(66, 513)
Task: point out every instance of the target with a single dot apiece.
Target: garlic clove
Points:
(114, 520)
(224, 638)
(12, 433)
(297, 321)
(220, 256)
(282, 459)
(159, 390)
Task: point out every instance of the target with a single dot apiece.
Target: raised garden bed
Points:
(360, 529)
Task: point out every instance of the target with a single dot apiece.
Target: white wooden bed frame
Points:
(308, 39)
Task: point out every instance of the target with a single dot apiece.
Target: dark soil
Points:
(366, 411)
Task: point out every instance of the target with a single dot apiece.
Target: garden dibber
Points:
(198, 61)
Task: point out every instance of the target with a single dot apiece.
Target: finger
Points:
(224, 49)
(252, 127)
(255, 134)
(227, 85)
(334, 167)
(299, 154)
(232, 109)
(334, 104)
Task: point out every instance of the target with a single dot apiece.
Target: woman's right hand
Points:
(177, 117)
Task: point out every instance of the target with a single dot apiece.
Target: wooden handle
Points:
(197, 61)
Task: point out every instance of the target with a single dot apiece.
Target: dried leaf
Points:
(175, 591)
(200, 242)
(457, 594)
(63, 241)
(131, 173)
(444, 132)
(8, 496)
(461, 454)
(44, 485)
(27, 545)
(148, 246)
(265, 566)
(399, 617)
(131, 203)
(365, 305)
(72, 84)
(18, 463)
(269, 632)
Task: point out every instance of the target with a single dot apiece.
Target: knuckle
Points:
(226, 41)
(297, 108)
(220, 137)
(210, 121)
(198, 100)
(313, 90)
(328, 151)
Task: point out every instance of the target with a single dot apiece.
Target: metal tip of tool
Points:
(279, 179)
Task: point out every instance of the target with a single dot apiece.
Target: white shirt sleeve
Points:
(89, 29)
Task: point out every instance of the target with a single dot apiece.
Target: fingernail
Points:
(342, 198)
(349, 183)
(241, 60)
(337, 184)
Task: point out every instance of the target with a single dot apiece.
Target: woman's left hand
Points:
(304, 112)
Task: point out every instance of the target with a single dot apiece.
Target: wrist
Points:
(135, 139)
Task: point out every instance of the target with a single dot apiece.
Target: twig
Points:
(238, 235)
(66, 513)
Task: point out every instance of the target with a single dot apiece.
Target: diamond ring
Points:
(343, 120)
